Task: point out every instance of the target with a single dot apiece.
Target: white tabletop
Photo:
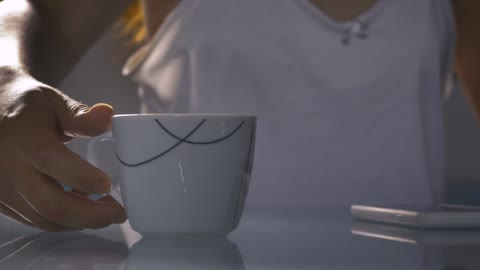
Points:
(266, 239)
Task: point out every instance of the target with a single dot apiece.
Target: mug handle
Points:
(93, 159)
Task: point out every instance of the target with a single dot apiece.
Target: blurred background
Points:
(97, 78)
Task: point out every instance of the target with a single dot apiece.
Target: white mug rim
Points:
(155, 115)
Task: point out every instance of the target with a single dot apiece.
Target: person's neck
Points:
(155, 11)
(343, 10)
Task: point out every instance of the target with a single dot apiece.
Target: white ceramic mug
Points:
(182, 174)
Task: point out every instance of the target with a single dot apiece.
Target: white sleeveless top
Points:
(347, 112)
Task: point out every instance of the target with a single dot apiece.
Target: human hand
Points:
(35, 122)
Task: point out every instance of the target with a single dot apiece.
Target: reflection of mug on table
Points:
(185, 254)
(183, 173)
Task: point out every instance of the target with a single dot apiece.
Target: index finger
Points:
(57, 161)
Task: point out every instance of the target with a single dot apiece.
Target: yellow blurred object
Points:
(133, 23)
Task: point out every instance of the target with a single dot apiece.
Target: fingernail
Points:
(104, 104)
(101, 187)
(120, 218)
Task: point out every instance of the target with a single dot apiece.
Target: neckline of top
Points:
(367, 15)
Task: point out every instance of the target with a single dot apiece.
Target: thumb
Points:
(77, 119)
(89, 122)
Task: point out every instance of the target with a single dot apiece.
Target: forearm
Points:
(46, 38)
(32, 42)
(14, 17)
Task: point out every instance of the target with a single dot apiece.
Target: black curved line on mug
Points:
(192, 142)
(164, 152)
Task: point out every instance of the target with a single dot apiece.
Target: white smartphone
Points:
(442, 216)
(447, 237)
